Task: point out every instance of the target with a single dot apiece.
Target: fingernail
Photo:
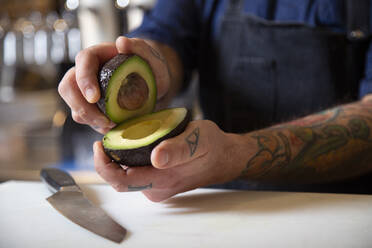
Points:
(163, 159)
(90, 94)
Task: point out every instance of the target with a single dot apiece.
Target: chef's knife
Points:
(69, 200)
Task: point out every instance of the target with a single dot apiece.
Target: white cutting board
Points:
(201, 218)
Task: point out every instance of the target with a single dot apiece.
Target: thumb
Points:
(189, 145)
(124, 45)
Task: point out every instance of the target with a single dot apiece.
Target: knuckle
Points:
(166, 143)
(83, 114)
(77, 118)
(123, 42)
(81, 55)
(61, 88)
(66, 83)
(63, 85)
(119, 187)
(210, 123)
(210, 126)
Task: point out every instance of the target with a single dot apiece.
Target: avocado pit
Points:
(133, 92)
(128, 88)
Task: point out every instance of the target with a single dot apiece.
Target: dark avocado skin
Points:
(106, 74)
(142, 156)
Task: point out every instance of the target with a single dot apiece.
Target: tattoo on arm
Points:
(192, 140)
(139, 188)
(330, 145)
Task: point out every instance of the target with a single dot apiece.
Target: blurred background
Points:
(39, 40)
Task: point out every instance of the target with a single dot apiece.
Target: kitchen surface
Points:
(200, 218)
(39, 40)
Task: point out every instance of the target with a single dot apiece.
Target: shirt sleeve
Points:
(366, 83)
(176, 24)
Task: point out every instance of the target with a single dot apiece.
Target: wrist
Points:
(241, 148)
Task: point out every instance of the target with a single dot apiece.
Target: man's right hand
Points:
(79, 87)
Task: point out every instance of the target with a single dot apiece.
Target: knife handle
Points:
(55, 179)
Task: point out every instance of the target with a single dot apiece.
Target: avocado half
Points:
(128, 88)
(131, 142)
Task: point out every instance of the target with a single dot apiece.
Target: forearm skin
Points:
(331, 145)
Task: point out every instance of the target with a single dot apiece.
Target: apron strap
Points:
(358, 19)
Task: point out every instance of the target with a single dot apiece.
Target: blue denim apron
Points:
(266, 72)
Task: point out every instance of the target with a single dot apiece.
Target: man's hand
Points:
(328, 146)
(79, 87)
(201, 155)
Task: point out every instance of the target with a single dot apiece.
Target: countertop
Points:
(200, 218)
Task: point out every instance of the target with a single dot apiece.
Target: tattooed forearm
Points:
(192, 140)
(139, 188)
(330, 145)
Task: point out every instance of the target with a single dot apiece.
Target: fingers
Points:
(88, 62)
(82, 111)
(111, 172)
(153, 57)
(367, 98)
(189, 145)
(131, 179)
(124, 45)
(79, 87)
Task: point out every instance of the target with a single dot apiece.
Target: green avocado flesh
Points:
(131, 142)
(128, 88)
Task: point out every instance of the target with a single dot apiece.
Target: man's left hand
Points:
(202, 155)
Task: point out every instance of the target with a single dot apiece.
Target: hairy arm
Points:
(328, 146)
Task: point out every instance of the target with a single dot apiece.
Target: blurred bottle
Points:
(98, 21)
(73, 34)
(9, 59)
(40, 38)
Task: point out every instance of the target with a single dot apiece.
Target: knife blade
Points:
(69, 200)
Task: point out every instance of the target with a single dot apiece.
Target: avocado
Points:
(128, 97)
(128, 88)
(131, 142)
